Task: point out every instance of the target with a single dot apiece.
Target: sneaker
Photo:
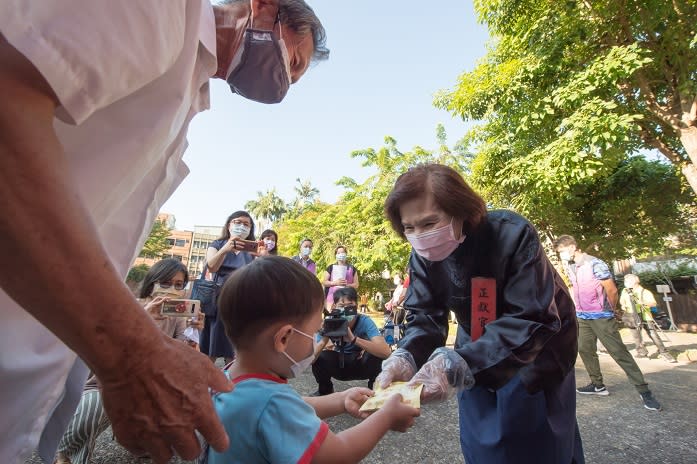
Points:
(667, 357)
(592, 389)
(650, 402)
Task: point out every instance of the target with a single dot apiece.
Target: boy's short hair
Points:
(348, 292)
(266, 291)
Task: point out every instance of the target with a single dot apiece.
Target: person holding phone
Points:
(224, 256)
(165, 280)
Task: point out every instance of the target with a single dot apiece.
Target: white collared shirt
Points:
(129, 77)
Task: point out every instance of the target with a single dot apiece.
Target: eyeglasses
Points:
(177, 285)
(237, 222)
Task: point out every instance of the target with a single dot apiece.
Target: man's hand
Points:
(354, 399)
(157, 401)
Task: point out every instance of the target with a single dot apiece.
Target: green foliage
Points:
(632, 211)
(137, 273)
(664, 275)
(569, 89)
(268, 207)
(156, 243)
(357, 220)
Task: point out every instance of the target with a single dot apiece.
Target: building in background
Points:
(179, 242)
(202, 237)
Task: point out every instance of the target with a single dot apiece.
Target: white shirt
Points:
(129, 77)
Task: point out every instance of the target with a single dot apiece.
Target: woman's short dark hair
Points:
(162, 271)
(225, 233)
(336, 250)
(270, 233)
(449, 189)
(268, 290)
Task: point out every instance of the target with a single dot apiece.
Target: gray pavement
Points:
(616, 429)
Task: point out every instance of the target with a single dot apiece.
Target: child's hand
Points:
(401, 416)
(354, 399)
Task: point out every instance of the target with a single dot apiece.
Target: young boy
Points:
(271, 308)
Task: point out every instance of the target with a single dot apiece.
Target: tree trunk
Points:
(688, 137)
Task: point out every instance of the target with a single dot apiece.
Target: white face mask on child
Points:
(301, 366)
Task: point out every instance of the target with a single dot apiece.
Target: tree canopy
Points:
(357, 220)
(156, 243)
(568, 93)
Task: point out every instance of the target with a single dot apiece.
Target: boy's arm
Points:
(338, 403)
(354, 444)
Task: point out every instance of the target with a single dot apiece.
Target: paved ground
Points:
(616, 429)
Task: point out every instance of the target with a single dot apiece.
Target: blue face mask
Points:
(341, 256)
(240, 231)
(305, 251)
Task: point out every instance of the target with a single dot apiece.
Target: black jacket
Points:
(535, 331)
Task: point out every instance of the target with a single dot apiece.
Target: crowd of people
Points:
(80, 352)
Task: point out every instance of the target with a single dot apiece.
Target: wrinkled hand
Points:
(443, 374)
(160, 397)
(401, 415)
(354, 399)
(400, 366)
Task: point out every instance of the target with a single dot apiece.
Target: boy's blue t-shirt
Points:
(267, 422)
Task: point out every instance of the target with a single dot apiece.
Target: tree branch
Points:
(647, 136)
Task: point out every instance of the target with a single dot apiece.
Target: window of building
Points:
(180, 242)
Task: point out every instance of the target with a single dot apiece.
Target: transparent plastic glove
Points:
(399, 367)
(444, 373)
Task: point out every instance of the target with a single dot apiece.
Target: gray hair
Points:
(298, 15)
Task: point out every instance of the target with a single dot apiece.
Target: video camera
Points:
(336, 323)
(335, 326)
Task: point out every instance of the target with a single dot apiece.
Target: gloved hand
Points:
(443, 374)
(400, 366)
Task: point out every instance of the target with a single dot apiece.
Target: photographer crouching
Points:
(358, 348)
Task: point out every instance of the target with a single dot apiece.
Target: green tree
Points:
(569, 89)
(357, 220)
(305, 195)
(633, 211)
(156, 243)
(268, 207)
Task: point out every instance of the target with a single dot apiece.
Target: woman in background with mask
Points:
(269, 238)
(513, 361)
(224, 256)
(338, 275)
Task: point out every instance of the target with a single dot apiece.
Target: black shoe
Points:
(650, 402)
(592, 389)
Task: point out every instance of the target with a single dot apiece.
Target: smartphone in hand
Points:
(246, 245)
(181, 308)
